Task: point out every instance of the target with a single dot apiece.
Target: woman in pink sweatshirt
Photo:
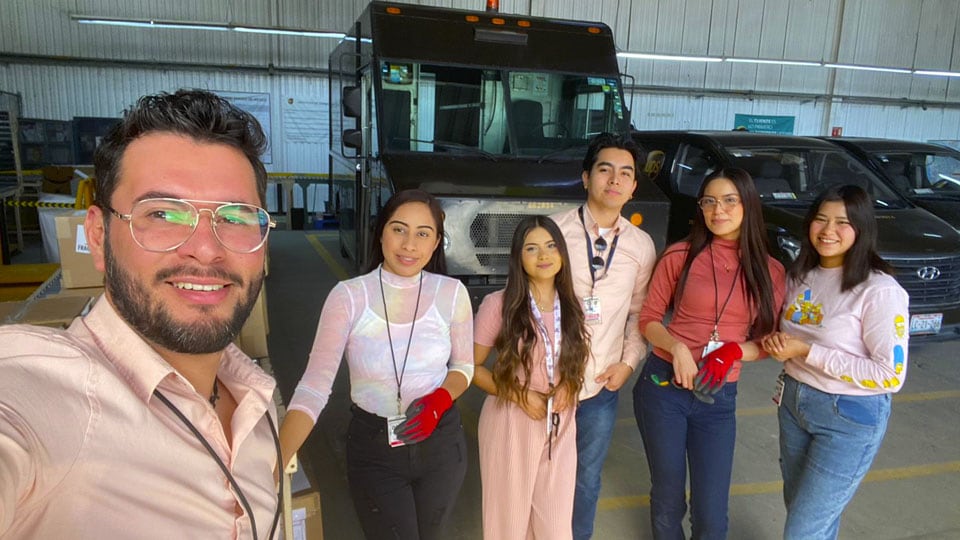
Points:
(843, 341)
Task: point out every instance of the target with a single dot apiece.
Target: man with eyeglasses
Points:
(143, 419)
(611, 261)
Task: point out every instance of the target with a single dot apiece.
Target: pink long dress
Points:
(526, 494)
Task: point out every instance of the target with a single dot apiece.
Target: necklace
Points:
(216, 392)
(544, 308)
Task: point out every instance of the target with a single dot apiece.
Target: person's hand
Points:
(423, 415)
(684, 367)
(715, 367)
(783, 347)
(774, 343)
(535, 405)
(562, 399)
(614, 376)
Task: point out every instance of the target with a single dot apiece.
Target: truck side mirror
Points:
(353, 138)
(351, 100)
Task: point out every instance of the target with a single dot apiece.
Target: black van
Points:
(927, 174)
(789, 172)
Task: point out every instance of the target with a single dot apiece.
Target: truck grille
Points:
(491, 235)
(478, 233)
(943, 291)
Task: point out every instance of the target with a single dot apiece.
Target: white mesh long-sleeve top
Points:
(352, 326)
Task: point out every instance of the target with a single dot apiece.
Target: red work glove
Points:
(423, 415)
(715, 367)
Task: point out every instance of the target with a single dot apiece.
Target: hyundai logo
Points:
(928, 273)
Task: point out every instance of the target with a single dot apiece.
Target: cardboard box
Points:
(76, 264)
(82, 291)
(253, 336)
(307, 519)
(54, 311)
(9, 309)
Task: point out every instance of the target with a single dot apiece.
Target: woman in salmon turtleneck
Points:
(726, 292)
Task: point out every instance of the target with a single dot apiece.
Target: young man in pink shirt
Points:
(611, 260)
(143, 419)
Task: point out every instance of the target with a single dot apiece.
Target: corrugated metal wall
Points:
(900, 33)
(63, 92)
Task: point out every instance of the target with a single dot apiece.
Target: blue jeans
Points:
(595, 419)
(827, 443)
(678, 431)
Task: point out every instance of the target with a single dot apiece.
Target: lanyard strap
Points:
(613, 249)
(399, 376)
(552, 350)
(552, 354)
(717, 309)
(223, 467)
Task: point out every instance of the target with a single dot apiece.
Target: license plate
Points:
(925, 323)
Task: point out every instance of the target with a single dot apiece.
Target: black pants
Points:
(407, 492)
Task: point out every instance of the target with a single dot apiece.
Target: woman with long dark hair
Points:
(843, 340)
(725, 292)
(527, 432)
(406, 332)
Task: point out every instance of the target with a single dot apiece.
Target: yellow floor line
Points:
(338, 271)
(759, 488)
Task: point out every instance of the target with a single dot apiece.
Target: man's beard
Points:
(132, 300)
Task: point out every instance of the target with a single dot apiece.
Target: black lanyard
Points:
(717, 309)
(399, 376)
(236, 487)
(613, 249)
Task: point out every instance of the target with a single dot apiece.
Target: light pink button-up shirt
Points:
(87, 451)
(617, 338)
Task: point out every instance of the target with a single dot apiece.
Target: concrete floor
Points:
(912, 491)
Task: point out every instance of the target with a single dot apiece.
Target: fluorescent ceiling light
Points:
(674, 57)
(869, 68)
(772, 61)
(934, 73)
(289, 32)
(191, 25)
(148, 23)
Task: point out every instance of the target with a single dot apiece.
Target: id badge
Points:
(778, 388)
(392, 423)
(591, 310)
(549, 416)
(710, 347)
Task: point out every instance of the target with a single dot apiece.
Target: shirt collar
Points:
(144, 369)
(591, 224)
(400, 282)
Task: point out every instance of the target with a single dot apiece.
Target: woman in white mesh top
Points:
(406, 332)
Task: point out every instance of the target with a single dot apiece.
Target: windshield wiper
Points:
(450, 145)
(575, 146)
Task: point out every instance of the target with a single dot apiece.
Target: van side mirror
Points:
(351, 100)
(353, 138)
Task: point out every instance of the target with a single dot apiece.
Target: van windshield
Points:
(434, 108)
(800, 174)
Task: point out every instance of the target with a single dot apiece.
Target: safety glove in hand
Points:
(423, 415)
(715, 367)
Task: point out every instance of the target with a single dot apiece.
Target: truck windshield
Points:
(800, 174)
(473, 110)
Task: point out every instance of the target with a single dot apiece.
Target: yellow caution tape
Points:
(38, 204)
